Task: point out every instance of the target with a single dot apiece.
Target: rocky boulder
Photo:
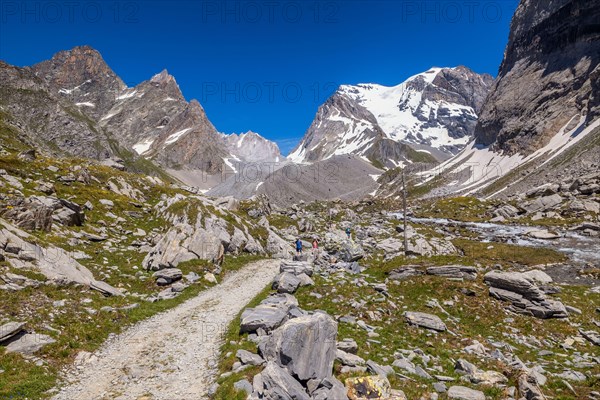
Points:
(286, 282)
(277, 247)
(305, 346)
(523, 294)
(53, 262)
(425, 320)
(27, 214)
(296, 267)
(465, 393)
(184, 242)
(269, 314)
(276, 383)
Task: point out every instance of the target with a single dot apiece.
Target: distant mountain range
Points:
(538, 122)
(82, 108)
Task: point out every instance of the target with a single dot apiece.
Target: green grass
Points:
(120, 267)
(475, 317)
(234, 341)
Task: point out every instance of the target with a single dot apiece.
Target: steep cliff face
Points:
(548, 77)
(46, 121)
(82, 77)
(139, 114)
(437, 109)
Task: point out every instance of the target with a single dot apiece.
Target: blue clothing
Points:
(298, 245)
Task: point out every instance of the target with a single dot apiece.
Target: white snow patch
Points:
(109, 115)
(127, 95)
(175, 136)
(230, 164)
(479, 166)
(86, 104)
(143, 146)
(69, 91)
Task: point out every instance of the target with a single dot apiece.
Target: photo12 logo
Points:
(270, 92)
(440, 11)
(270, 12)
(55, 12)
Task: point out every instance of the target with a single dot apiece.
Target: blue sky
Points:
(266, 65)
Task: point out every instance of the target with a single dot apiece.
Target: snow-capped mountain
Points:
(436, 109)
(540, 123)
(251, 147)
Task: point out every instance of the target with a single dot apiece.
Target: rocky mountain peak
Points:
(437, 109)
(252, 147)
(162, 77)
(82, 76)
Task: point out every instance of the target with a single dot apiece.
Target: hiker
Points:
(315, 247)
(348, 232)
(298, 247)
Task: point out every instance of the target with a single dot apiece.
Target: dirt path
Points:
(171, 356)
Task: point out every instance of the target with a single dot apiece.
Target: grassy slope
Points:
(478, 317)
(121, 267)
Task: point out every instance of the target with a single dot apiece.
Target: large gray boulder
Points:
(351, 251)
(425, 320)
(514, 282)
(26, 213)
(277, 247)
(523, 294)
(276, 383)
(296, 267)
(28, 343)
(10, 329)
(330, 389)
(184, 242)
(269, 314)
(286, 283)
(168, 275)
(305, 346)
(543, 203)
(405, 272)
(53, 262)
(390, 245)
(248, 358)
(464, 393)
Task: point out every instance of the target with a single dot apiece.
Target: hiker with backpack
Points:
(348, 233)
(298, 247)
(315, 247)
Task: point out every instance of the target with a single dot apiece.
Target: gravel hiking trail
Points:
(172, 355)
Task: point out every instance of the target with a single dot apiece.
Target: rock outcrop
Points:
(547, 77)
(524, 295)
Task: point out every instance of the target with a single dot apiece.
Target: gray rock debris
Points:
(523, 294)
(454, 272)
(275, 383)
(425, 320)
(464, 393)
